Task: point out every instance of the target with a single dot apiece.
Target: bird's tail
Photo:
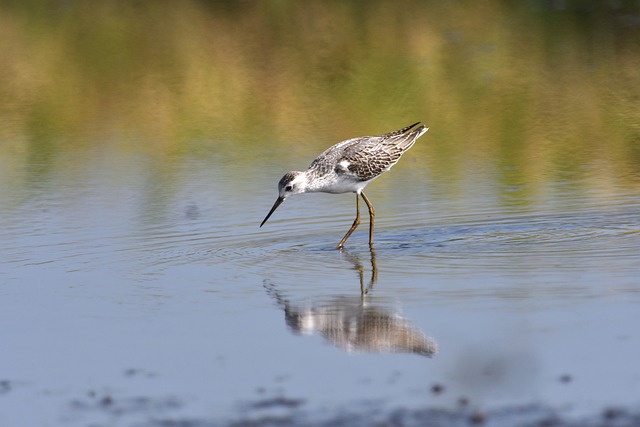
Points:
(405, 140)
(400, 131)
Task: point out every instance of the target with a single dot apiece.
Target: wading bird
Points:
(348, 167)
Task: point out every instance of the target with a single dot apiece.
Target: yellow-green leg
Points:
(372, 215)
(356, 222)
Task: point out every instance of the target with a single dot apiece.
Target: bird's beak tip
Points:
(275, 206)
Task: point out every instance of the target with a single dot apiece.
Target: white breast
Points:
(342, 184)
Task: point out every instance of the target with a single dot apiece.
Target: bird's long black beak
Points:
(275, 206)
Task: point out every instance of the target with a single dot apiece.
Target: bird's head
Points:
(291, 183)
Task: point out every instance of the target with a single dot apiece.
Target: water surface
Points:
(141, 145)
(129, 296)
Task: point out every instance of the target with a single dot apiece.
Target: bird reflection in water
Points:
(353, 323)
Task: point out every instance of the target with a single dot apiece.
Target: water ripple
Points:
(524, 242)
(604, 235)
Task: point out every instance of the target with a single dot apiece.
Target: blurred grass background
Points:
(537, 84)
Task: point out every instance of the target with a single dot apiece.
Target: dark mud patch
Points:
(525, 416)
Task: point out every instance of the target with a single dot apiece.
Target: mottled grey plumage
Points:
(349, 166)
(366, 157)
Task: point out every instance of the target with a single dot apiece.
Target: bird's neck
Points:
(309, 183)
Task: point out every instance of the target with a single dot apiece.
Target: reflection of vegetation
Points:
(509, 81)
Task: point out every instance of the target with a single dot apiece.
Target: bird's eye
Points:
(288, 188)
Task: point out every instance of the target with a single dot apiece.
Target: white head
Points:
(291, 183)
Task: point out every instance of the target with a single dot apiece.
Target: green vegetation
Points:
(530, 83)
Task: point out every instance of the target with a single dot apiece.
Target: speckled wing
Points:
(368, 157)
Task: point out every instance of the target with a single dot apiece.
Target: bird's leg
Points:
(356, 222)
(374, 267)
(372, 215)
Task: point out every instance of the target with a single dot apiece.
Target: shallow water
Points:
(137, 292)
(140, 147)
